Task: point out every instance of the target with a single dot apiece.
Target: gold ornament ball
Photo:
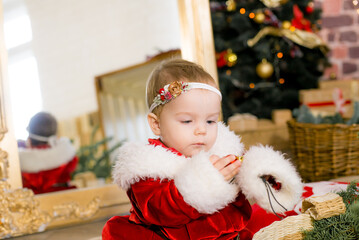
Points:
(231, 5)
(286, 24)
(264, 69)
(231, 58)
(259, 18)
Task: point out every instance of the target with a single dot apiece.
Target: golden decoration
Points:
(4, 165)
(231, 5)
(273, 3)
(264, 69)
(20, 212)
(259, 18)
(74, 210)
(303, 38)
(231, 58)
(286, 24)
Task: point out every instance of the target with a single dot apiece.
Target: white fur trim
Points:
(203, 187)
(259, 161)
(227, 142)
(136, 161)
(35, 160)
(200, 184)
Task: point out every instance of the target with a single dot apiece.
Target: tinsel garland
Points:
(344, 226)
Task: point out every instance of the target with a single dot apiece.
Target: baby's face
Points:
(189, 122)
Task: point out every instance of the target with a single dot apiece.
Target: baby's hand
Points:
(228, 166)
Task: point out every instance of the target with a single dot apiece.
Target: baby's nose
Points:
(200, 129)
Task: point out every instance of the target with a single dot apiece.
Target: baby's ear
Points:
(154, 123)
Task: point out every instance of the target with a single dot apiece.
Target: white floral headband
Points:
(174, 89)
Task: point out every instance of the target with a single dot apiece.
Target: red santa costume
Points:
(48, 167)
(174, 197)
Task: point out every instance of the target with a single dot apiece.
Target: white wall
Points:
(76, 40)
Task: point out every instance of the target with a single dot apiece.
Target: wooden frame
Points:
(121, 100)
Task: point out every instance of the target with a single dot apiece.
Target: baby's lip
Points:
(198, 144)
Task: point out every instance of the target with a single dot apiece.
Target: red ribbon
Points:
(322, 104)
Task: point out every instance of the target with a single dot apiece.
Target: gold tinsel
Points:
(303, 38)
(274, 3)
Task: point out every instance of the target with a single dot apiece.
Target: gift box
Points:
(281, 116)
(261, 131)
(328, 101)
(243, 122)
(351, 85)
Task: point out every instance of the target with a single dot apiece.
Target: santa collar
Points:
(158, 142)
(194, 174)
(201, 185)
(138, 160)
(39, 159)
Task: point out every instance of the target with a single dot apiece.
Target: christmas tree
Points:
(266, 50)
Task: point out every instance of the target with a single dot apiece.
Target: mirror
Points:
(64, 46)
(50, 210)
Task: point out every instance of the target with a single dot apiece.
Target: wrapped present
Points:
(281, 116)
(351, 85)
(328, 101)
(243, 122)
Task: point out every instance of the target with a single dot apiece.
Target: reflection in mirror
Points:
(56, 48)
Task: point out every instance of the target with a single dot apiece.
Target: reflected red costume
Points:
(48, 169)
(159, 208)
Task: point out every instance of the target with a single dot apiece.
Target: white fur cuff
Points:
(260, 161)
(203, 187)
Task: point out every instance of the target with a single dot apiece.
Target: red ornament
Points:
(221, 58)
(299, 22)
(309, 9)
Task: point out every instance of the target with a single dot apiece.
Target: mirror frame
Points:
(25, 213)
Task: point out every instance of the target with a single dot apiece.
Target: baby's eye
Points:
(211, 122)
(186, 121)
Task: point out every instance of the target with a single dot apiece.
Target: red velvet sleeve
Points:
(159, 202)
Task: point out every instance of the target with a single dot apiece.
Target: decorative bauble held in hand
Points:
(259, 18)
(264, 69)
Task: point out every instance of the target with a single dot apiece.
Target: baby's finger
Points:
(224, 162)
(213, 159)
(231, 170)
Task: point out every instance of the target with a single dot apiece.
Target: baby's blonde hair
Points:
(174, 70)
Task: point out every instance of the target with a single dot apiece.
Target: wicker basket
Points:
(324, 151)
